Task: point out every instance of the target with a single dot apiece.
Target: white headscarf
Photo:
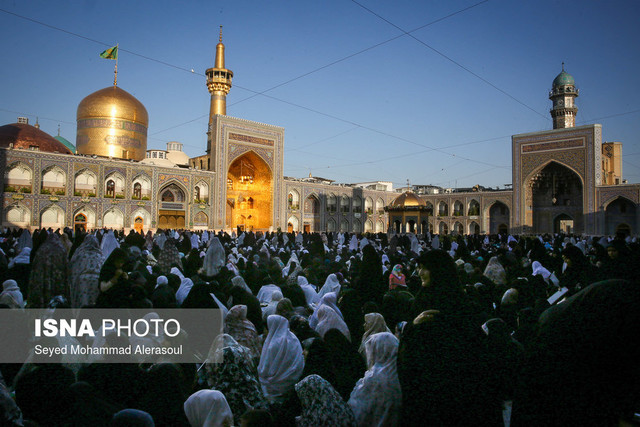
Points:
(330, 285)
(264, 293)
(24, 257)
(496, 272)
(539, 269)
(240, 282)
(329, 319)
(109, 243)
(373, 323)
(10, 288)
(208, 408)
(281, 362)
(353, 243)
(195, 241)
(215, 258)
(329, 299)
(377, 397)
(183, 291)
(309, 290)
(270, 309)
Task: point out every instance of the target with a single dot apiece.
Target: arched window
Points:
(357, 204)
(331, 203)
(368, 206)
(443, 209)
(137, 190)
(344, 205)
(111, 188)
(197, 193)
(293, 200)
(457, 208)
(380, 206)
(474, 208)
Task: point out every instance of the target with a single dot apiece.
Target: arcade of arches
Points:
(249, 194)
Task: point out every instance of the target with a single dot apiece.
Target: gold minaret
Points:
(219, 83)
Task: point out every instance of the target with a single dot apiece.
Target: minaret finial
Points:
(221, 35)
(562, 61)
(58, 129)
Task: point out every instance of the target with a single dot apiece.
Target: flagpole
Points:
(115, 72)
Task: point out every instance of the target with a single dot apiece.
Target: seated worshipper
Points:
(329, 319)
(163, 295)
(396, 278)
(332, 284)
(20, 268)
(115, 288)
(84, 269)
(208, 408)
(440, 288)
(281, 362)
(242, 330)
(285, 308)
(132, 418)
(271, 306)
(330, 299)
(49, 272)
(230, 370)
(582, 367)
(496, 272)
(309, 290)
(240, 296)
(377, 397)
(317, 359)
(373, 324)
(444, 362)
(299, 325)
(165, 395)
(265, 293)
(321, 404)
(11, 295)
(506, 356)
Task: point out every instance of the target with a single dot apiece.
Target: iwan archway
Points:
(249, 194)
(172, 207)
(555, 194)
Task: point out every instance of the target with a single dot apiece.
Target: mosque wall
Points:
(62, 186)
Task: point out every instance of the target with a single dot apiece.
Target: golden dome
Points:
(407, 199)
(112, 123)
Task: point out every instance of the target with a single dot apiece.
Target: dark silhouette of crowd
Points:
(335, 329)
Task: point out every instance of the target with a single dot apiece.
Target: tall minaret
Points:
(219, 83)
(563, 94)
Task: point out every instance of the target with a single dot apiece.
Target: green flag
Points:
(111, 53)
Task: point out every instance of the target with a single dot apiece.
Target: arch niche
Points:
(620, 217)
(172, 207)
(498, 218)
(552, 191)
(252, 181)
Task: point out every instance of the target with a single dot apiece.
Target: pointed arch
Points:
(312, 205)
(17, 215)
(53, 181)
(141, 186)
(293, 224)
(356, 226)
(620, 216)
(368, 206)
(293, 200)
(474, 208)
(52, 216)
(19, 177)
(344, 225)
(458, 208)
(114, 185)
(380, 228)
(379, 205)
(201, 191)
(85, 183)
(113, 218)
(89, 214)
(368, 226)
(331, 225)
(344, 204)
(332, 203)
(252, 179)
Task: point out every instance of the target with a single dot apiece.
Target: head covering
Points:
(495, 271)
(281, 362)
(231, 371)
(377, 397)
(329, 299)
(24, 241)
(244, 332)
(330, 285)
(11, 293)
(169, 257)
(373, 324)
(539, 269)
(329, 319)
(321, 404)
(183, 291)
(271, 307)
(132, 418)
(239, 281)
(109, 243)
(208, 408)
(24, 257)
(265, 292)
(310, 293)
(48, 272)
(215, 258)
(84, 270)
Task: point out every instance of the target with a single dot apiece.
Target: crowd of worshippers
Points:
(338, 329)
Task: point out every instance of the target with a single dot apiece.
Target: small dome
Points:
(563, 78)
(407, 199)
(66, 143)
(25, 136)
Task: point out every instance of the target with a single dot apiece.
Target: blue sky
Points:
(362, 100)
